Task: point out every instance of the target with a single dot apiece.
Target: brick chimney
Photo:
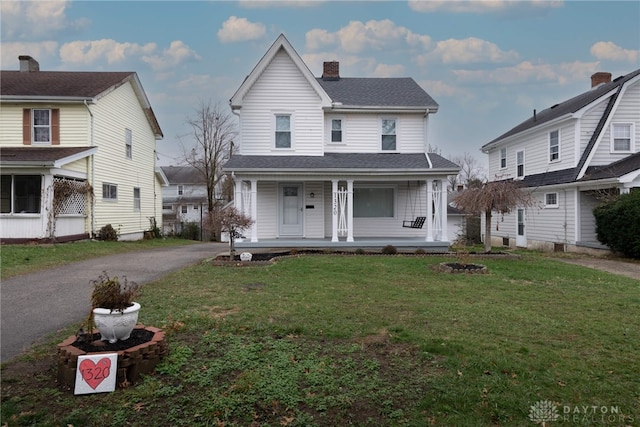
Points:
(600, 77)
(331, 70)
(27, 63)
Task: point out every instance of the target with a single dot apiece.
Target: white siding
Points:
(314, 210)
(115, 112)
(267, 210)
(281, 89)
(589, 122)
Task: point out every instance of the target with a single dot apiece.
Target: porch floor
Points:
(370, 243)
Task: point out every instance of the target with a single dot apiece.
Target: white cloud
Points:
(470, 50)
(438, 88)
(91, 51)
(33, 19)
(479, 6)
(358, 36)
(350, 65)
(526, 71)
(177, 53)
(40, 51)
(386, 70)
(613, 52)
(237, 29)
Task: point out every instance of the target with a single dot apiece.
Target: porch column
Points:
(443, 212)
(334, 210)
(429, 220)
(237, 200)
(349, 210)
(254, 210)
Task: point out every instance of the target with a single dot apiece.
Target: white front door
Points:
(291, 210)
(521, 237)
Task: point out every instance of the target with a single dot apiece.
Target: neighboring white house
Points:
(62, 133)
(334, 161)
(570, 155)
(184, 200)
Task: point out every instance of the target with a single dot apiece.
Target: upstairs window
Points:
(180, 190)
(520, 164)
(554, 146)
(503, 158)
(20, 194)
(283, 131)
(389, 134)
(127, 143)
(109, 192)
(336, 130)
(41, 126)
(622, 137)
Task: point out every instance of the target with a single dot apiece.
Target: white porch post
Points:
(254, 210)
(237, 200)
(334, 210)
(429, 220)
(350, 210)
(443, 212)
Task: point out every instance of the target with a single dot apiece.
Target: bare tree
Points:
(471, 173)
(213, 130)
(232, 221)
(495, 196)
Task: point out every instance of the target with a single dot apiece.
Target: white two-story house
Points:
(334, 161)
(184, 200)
(77, 152)
(571, 155)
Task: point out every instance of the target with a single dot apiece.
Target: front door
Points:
(521, 238)
(291, 210)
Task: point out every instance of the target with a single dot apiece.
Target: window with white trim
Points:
(374, 202)
(136, 199)
(127, 143)
(503, 158)
(336, 130)
(20, 194)
(554, 146)
(520, 164)
(41, 124)
(283, 131)
(109, 192)
(180, 190)
(622, 140)
(388, 135)
(184, 209)
(551, 200)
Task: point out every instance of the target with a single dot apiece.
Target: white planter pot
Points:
(116, 325)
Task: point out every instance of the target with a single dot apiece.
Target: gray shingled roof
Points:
(183, 175)
(59, 83)
(613, 170)
(566, 107)
(341, 161)
(378, 92)
(45, 155)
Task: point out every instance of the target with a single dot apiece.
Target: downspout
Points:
(92, 166)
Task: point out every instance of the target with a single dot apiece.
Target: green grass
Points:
(364, 340)
(20, 259)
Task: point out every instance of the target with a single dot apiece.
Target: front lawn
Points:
(329, 340)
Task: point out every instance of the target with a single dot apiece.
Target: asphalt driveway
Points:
(35, 305)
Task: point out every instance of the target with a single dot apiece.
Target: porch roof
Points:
(344, 163)
(43, 156)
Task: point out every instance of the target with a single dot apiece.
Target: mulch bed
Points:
(92, 344)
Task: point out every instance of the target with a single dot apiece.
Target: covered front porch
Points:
(406, 244)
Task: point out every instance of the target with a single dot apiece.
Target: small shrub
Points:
(108, 233)
(190, 231)
(618, 224)
(109, 293)
(359, 251)
(389, 250)
(420, 251)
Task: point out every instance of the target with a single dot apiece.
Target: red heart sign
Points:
(95, 373)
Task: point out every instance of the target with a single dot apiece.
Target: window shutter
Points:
(55, 126)
(26, 126)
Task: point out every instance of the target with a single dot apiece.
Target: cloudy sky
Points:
(487, 63)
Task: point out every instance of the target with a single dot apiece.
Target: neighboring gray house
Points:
(570, 155)
(184, 200)
(336, 162)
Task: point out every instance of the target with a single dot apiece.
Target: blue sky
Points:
(487, 63)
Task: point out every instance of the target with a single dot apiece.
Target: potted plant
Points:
(114, 311)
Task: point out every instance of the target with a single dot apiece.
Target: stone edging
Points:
(132, 362)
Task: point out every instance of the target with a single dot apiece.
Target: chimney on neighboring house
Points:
(600, 77)
(331, 70)
(27, 63)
